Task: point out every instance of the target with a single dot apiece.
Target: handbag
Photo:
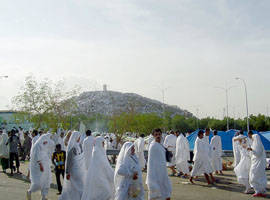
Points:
(134, 189)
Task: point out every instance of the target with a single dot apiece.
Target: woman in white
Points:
(257, 176)
(236, 151)
(182, 154)
(243, 168)
(40, 166)
(99, 183)
(75, 170)
(128, 177)
(139, 150)
(4, 151)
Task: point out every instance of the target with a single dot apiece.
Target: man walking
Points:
(14, 144)
(157, 180)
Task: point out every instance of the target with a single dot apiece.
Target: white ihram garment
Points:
(170, 144)
(182, 154)
(202, 164)
(73, 188)
(41, 153)
(88, 145)
(216, 148)
(139, 150)
(99, 183)
(157, 180)
(126, 166)
(243, 168)
(4, 150)
(257, 177)
(236, 152)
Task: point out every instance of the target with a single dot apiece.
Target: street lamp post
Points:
(245, 85)
(227, 103)
(163, 90)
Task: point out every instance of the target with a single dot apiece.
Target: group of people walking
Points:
(15, 146)
(250, 163)
(81, 160)
(88, 175)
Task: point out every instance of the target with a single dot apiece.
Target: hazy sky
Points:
(190, 46)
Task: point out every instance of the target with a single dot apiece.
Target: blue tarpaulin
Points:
(226, 138)
(266, 135)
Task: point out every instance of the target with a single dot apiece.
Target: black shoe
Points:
(59, 193)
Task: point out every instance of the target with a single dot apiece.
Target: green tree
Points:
(45, 102)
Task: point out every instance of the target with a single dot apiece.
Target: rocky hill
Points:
(110, 102)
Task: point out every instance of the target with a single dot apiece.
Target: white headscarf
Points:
(4, 150)
(120, 160)
(99, 182)
(73, 140)
(257, 146)
(257, 176)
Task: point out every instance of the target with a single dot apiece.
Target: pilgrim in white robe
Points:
(128, 164)
(99, 180)
(236, 151)
(182, 154)
(243, 168)
(139, 150)
(62, 143)
(170, 144)
(41, 154)
(216, 148)
(88, 145)
(75, 167)
(258, 179)
(4, 151)
(149, 141)
(202, 164)
(208, 147)
(157, 179)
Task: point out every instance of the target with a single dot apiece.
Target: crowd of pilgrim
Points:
(87, 173)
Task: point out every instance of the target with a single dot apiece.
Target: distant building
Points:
(8, 120)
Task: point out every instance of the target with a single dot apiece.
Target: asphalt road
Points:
(14, 188)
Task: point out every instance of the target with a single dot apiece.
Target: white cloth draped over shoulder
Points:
(243, 168)
(182, 154)
(216, 148)
(73, 188)
(201, 160)
(157, 180)
(207, 143)
(139, 150)
(149, 141)
(126, 166)
(4, 150)
(258, 179)
(99, 183)
(88, 145)
(170, 144)
(34, 140)
(236, 151)
(41, 153)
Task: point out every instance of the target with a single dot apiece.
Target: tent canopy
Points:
(226, 138)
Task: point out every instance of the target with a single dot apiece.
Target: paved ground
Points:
(14, 188)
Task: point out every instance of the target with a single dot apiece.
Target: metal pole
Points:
(246, 105)
(163, 98)
(227, 104)
(246, 101)
(227, 109)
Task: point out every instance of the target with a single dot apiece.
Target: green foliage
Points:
(44, 103)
